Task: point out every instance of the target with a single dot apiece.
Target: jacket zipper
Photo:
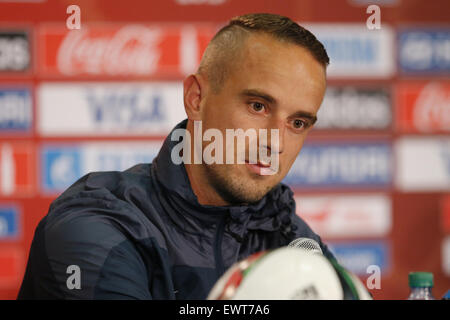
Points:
(218, 248)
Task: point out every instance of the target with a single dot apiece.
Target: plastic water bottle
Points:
(420, 284)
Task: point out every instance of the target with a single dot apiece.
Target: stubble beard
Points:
(235, 188)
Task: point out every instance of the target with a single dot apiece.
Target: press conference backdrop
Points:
(373, 178)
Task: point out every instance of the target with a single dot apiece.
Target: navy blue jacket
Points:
(141, 234)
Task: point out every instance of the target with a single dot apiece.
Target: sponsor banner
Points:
(201, 2)
(62, 165)
(367, 3)
(122, 50)
(17, 172)
(445, 213)
(423, 164)
(15, 53)
(358, 256)
(9, 222)
(125, 109)
(445, 256)
(424, 51)
(423, 107)
(349, 107)
(342, 164)
(12, 262)
(355, 51)
(346, 216)
(15, 110)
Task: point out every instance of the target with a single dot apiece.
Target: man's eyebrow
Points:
(304, 114)
(258, 94)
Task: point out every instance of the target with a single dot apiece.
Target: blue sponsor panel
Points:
(424, 51)
(352, 50)
(359, 256)
(351, 165)
(62, 165)
(15, 110)
(9, 222)
(355, 51)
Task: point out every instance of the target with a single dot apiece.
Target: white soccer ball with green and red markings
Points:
(287, 274)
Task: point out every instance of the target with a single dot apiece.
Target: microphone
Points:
(351, 285)
(306, 244)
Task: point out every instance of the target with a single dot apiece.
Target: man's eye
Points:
(258, 107)
(299, 124)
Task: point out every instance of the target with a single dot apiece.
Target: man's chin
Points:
(243, 195)
(241, 200)
(237, 187)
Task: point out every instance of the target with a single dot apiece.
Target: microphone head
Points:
(306, 244)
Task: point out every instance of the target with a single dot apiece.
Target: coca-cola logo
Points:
(432, 108)
(133, 49)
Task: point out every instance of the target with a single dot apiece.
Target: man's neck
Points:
(201, 188)
(205, 193)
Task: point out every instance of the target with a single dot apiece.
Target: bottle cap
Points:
(420, 279)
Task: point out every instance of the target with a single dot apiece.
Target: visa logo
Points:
(128, 108)
(15, 110)
(9, 222)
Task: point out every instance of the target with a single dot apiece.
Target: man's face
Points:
(274, 85)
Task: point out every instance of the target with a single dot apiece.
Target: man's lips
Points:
(259, 163)
(260, 168)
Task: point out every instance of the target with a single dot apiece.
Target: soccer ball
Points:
(287, 274)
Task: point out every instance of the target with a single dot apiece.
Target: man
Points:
(169, 230)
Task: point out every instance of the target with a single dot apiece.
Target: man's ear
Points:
(193, 93)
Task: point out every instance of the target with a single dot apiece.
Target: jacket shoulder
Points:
(98, 225)
(124, 199)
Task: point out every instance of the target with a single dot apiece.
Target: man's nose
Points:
(275, 136)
